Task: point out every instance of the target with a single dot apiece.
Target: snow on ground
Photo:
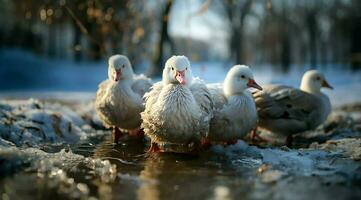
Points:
(55, 169)
(305, 162)
(32, 122)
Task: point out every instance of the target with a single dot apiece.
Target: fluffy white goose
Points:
(177, 109)
(285, 110)
(235, 113)
(119, 99)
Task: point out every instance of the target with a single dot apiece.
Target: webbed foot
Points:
(154, 148)
(116, 134)
(138, 133)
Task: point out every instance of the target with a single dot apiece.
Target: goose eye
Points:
(172, 68)
(243, 76)
(123, 66)
(186, 68)
(318, 78)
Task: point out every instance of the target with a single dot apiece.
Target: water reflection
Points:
(128, 157)
(185, 177)
(149, 189)
(128, 152)
(170, 175)
(222, 173)
(165, 175)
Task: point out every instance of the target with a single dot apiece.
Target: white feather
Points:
(177, 116)
(120, 103)
(235, 112)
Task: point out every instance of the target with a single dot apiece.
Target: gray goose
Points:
(285, 110)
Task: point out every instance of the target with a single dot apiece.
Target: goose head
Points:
(177, 70)
(119, 68)
(313, 81)
(238, 79)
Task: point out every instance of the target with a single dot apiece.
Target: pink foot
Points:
(289, 141)
(255, 136)
(139, 133)
(232, 142)
(154, 148)
(205, 144)
(116, 134)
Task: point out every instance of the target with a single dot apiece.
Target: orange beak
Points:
(326, 85)
(252, 83)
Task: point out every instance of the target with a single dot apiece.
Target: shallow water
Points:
(233, 172)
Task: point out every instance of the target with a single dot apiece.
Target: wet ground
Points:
(38, 161)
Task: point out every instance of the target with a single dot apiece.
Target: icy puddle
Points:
(75, 159)
(99, 170)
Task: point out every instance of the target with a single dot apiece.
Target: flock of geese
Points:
(183, 114)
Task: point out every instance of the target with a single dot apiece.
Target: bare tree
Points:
(236, 12)
(312, 30)
(158, 58)
(285, 41)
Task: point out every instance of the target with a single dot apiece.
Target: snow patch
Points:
(304, 162)
(31, 122)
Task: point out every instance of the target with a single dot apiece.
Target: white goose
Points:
(285, 110)
(119, 99)
(235, 112)
(177, 109)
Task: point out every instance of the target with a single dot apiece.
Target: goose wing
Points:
(292, 107)
(141, 85)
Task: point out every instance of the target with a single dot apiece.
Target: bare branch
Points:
(85, 31)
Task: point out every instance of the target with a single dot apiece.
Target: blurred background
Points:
(63, 45)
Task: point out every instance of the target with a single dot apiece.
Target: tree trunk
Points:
(236, 16)
(312, 31)
(76, 43)
(285, 43)
(285, 54)
(239, 46)
(158, 60)
(51, 41)
(356, 44)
